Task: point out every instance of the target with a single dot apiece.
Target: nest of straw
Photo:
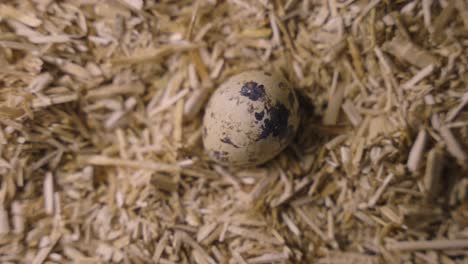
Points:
(101, 158)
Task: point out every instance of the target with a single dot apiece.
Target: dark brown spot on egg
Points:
(282, 85)
(267, 103)
(227, 140)
(259, 115)
(277, 123)
(225, 156)
(253, 90)
(250, 109)
(221, 155)
(267, 73)
(217, 154)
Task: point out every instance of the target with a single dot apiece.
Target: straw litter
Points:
(100, 138)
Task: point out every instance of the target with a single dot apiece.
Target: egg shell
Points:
(250, 119)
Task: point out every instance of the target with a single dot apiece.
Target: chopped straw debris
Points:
(101, 159)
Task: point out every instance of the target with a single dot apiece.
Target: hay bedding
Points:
(101, 157)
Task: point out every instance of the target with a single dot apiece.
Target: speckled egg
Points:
(250, 119)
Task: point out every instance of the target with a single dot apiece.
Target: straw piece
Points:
(253, 234)
(192, 243)
(206, 230)
(160, 247)
(373, 200)
(108, 161)
(433, 174)
(416, 152)
(56, 99)
(426, 7)
(453, 146)
(311, 224)
(456, 110)
(428, 245)
(40, 82)
(154, 55)
(352, 113)
(113, 90)
(348, 257)
(49, 193)
(135, 4)
(334, 104)
(407, 51)
(268, 258)
(28, 19)
(419, 76)
(4, 222)
(292, 227)
(50, 39)
(41, 256)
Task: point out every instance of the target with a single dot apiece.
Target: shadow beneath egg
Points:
(306, 136)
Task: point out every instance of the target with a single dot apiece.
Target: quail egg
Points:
(250, 119)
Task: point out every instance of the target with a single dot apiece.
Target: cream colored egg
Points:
(250, 119)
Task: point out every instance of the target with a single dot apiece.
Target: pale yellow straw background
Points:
(101, 159)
